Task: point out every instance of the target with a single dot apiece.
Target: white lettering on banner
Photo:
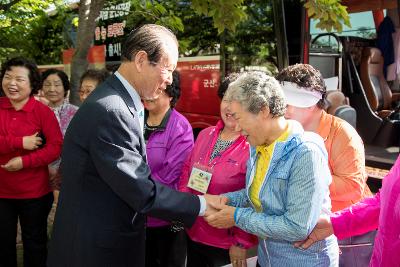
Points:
(97, 34)
(115, 11)
(110, 31)
(205, 67)
(209, 83)
(103, 33)
(114, 50)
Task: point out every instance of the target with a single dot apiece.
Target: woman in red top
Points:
(30, 139)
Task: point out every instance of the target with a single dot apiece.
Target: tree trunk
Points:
(89, 10)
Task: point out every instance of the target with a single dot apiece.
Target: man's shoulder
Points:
(105, 97)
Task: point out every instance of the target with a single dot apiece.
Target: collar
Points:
(164, 121)
(283, 137)
(5, 103)
(324, 127)
(132, 92)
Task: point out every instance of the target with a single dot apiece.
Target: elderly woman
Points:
(90, 80)
(285, 194)
(29, 140)
(55, 89)
(221, 152)
(169, 140)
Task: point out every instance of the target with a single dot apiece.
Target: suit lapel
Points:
(119, 87)
(122, 91)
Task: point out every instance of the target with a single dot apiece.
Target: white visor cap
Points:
(298, 96)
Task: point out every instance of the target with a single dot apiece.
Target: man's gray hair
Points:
(150, 38)
(256, 90)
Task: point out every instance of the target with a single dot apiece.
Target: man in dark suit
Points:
(107, 189)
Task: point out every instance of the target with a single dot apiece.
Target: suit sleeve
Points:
(114, 150)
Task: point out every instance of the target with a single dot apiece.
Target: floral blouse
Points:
(64, 114)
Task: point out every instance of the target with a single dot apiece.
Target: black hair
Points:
(225, 84)
(306, 76)
(174, 90)
(97, 75)
(34, 74)
(62, 75)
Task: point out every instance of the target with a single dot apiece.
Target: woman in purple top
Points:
(169, 141)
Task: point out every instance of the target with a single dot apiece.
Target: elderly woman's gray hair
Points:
(256, 90)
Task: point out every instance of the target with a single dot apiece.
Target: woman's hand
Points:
(31, 142)
(13, 165)
(222, 219)
(238, 256)
(322, 230)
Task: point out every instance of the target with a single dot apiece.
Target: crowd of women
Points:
(275, 170)
(34, 115)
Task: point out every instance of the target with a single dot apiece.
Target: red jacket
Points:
(229, 174)
(32, 181)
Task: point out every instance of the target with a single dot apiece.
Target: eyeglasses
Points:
(164, 69)
(84, 92)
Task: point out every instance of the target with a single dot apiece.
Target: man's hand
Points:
(31, 142)
(322, 230)
(214, 203)
(238, 256)
(222, 219)
(14, 164)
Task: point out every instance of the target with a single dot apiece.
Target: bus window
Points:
(362, 25)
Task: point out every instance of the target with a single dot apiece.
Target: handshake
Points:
(218, 214)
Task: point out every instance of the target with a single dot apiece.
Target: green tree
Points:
(16, 18)
(331, 15)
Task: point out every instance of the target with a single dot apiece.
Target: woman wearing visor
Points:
(305, 94)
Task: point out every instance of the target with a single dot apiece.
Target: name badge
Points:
(199, 180)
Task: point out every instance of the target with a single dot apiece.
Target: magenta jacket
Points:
(166, 151)
(381, 211)
(228, 175)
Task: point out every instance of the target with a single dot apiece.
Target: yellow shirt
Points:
(264, 153)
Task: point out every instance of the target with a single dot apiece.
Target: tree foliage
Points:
(226, 14)
(27, 30)
(331, 15)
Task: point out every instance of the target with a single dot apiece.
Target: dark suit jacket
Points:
(107, 188)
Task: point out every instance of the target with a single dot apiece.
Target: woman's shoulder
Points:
(179, 118)
(306, 142)
(178, 121)
(71, 107)
(208, 132)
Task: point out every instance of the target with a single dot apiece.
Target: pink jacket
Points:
(381, 211)
(228, 175)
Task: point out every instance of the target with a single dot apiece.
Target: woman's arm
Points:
(306, 191)
(53, 143)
